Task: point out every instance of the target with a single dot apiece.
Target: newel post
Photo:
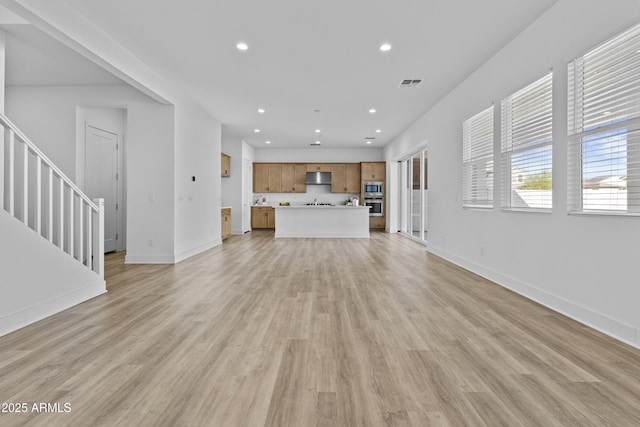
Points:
(98, 239)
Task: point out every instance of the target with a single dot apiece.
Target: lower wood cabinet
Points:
(263, 217)
(376, 222)
(226, 222)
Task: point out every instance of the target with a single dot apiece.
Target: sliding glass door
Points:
(413, 194)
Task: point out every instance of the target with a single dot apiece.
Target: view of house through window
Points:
(527, 147)
(604, 127)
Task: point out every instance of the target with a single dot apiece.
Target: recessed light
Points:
(372, 110)
(261, 110)
(242, 46)
(256, 130)
(378, 130)
(385, 47)
(606, 113)
(267, 142)
(317, 130)
(369, 141)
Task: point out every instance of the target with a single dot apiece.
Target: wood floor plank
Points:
(314, 332)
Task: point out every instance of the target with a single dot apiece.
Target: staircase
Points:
(37, 194)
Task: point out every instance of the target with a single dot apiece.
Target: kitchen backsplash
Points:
(322, 193)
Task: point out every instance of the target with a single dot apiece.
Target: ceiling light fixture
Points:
(378, 130)
(261, 110)
(372, 110)
(242, 46)
(369, 141)
(256, 130)
(385, 47)
(267, 142)
(317, 130)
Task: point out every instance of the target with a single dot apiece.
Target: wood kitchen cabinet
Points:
(263, 217)
(294, 178)
(376, 222)
(373, 170)
(345, 178)
(319, 167)
(267, 178)
(226, 164)
(226, 222)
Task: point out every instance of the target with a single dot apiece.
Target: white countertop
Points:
(323, 207)
(225, 207)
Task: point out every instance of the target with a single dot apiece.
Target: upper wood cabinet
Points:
(267, 178)
(226, 165)
(260, 177)
(275, 178)
(345, 178)
(294, 178)
(319, 167)
(373, 170)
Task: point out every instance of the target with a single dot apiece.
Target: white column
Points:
(2, 86)
(2, 69)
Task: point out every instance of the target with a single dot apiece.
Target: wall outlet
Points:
(150, 243)
(481, 250)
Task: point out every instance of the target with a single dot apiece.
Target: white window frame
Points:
(604, 124)
(477, 160)
(527, 125)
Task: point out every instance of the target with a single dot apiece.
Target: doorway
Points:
(102, 172)
(414, 195)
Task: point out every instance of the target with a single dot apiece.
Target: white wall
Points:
(582, 266)
(38, 279)
(197, 145)
(319, 155)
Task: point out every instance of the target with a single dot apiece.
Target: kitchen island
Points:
(322, 221)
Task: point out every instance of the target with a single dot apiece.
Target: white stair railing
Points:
(35, 191)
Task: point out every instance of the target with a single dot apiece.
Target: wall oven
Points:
(373, 189)
(376, 206)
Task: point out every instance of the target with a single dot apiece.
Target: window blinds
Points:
(477, 160)
(526, 147)
(604, 127)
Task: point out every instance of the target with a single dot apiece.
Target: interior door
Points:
(101, 178)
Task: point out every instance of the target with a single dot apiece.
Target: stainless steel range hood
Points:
(318, 178)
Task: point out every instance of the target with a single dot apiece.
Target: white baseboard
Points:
(598, 321)
(167, 259)
(29, 315)
(195, 251)
(149, 259)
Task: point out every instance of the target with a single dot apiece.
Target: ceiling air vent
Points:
(315, 144)
(410, 83)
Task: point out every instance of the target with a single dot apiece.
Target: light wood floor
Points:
(315, 333)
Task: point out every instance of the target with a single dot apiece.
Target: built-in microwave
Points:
(376, 206)
(373, 189)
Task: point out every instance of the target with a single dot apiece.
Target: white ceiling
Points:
(307, 55)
